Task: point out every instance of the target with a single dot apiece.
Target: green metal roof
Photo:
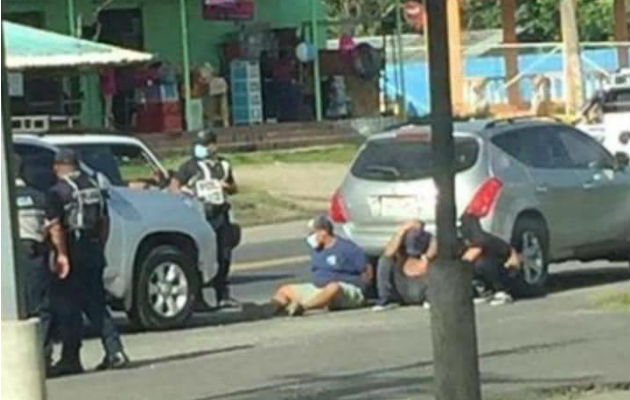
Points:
(28, 48)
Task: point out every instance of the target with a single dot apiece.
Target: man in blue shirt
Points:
(340, 275)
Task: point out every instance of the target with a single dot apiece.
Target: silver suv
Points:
(160, 249)
(549, 189)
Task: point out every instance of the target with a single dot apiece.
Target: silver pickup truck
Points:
(160, 251)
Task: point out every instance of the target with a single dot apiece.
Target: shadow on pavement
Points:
(586, 277)
(252, 278)
(402, 381)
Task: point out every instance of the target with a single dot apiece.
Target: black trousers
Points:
(83, 293)
(221, 225)
(35, 264)
(492, 273)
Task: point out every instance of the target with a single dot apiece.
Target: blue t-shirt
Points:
(343, 262)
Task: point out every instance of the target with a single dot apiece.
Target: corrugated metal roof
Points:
(28, 48)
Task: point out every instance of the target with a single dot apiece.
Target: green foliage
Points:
(482, 14)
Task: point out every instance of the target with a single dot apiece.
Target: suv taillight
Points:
(485, 198)
(337, 210)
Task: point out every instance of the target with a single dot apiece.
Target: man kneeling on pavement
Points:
(340, 275)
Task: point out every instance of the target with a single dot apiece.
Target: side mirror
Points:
(622, 160)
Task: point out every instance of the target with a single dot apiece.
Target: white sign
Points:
(16, 84)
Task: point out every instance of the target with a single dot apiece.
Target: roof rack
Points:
(514, 120)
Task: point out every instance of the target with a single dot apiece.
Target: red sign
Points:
(228, 10)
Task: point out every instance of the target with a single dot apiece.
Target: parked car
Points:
(606, 117)
(549, 189)
(160, 249)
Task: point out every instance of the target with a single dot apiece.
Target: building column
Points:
(183, 19)
(455, 54)
(574, 91)
(621, 31)
(508, 8)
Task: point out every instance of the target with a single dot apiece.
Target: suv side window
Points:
(133, 162)
(37, 165)
(528, 145)
(583, 150)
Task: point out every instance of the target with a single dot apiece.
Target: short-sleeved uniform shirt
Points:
(62, 194)
(32, 207)
(344, 261)
(220, 169)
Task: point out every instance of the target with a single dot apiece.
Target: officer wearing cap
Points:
(209, 178)
(78, 203)
(37, 232)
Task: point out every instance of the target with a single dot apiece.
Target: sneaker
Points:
(295, 309)
(501, 298)
(65, 367)
(229, 303)
(481, 300)
(384, 306)
(426, 305)
(116, 361)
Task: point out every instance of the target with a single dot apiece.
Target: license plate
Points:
(400, 207)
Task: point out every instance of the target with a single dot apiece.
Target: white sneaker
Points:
(501, 298)
(384, 307)
(426, 305)
(481, 300)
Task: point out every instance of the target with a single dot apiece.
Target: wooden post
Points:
(453, 333)
(183, 26)
(621, 32)
(455, 53)
(510, 55)
(574, 92)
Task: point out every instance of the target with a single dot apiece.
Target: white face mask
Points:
(312, 241)
(200, 152)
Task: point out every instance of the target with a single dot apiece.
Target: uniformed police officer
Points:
(79, 202)
(209, 177)
(35, 231)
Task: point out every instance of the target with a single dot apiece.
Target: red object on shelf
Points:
(159, 117)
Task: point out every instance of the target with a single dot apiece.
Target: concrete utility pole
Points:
(456, 369)
(22, 358)
(574, 92)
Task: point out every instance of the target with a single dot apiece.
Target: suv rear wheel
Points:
(531, 240)
(166, 289)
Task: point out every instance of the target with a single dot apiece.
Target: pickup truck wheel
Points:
(531, 240)
(166, 289)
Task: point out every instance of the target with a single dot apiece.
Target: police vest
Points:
(31, 213)
(207, 184)
(85, 210)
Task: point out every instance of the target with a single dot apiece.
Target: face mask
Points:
(200, 152)
(312, 241)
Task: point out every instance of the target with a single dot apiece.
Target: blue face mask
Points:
(200, 152)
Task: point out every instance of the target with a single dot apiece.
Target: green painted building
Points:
(156, 26)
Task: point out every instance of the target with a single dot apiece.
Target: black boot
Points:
(115, 361)
(65, 366)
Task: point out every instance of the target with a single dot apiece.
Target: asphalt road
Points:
(564, 339)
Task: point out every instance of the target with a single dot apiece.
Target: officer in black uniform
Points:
(35, 231)
(79, 203)
(209, 177)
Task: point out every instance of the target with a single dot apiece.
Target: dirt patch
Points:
(278, 192)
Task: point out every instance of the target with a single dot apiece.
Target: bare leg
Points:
(324, 298)
(283, 296)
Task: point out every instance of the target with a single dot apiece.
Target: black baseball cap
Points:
(322, 222)
(66, 156)
(417, 242)
(206, 137)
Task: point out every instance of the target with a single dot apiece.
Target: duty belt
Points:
(33, 248)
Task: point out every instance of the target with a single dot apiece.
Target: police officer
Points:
(35, 230)
(209, 178)
(79, 203)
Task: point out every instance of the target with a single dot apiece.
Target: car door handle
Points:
(542, 189)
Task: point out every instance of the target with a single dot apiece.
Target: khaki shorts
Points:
(351, 296)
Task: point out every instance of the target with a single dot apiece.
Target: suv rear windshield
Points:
(396, 160)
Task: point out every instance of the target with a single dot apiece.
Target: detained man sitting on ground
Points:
(495, 263)
(402, 269)
(340, 275)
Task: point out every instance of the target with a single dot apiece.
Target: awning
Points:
(28, 48)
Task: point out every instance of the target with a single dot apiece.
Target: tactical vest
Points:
(85, 210)
(207, 184)
(31, 214)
